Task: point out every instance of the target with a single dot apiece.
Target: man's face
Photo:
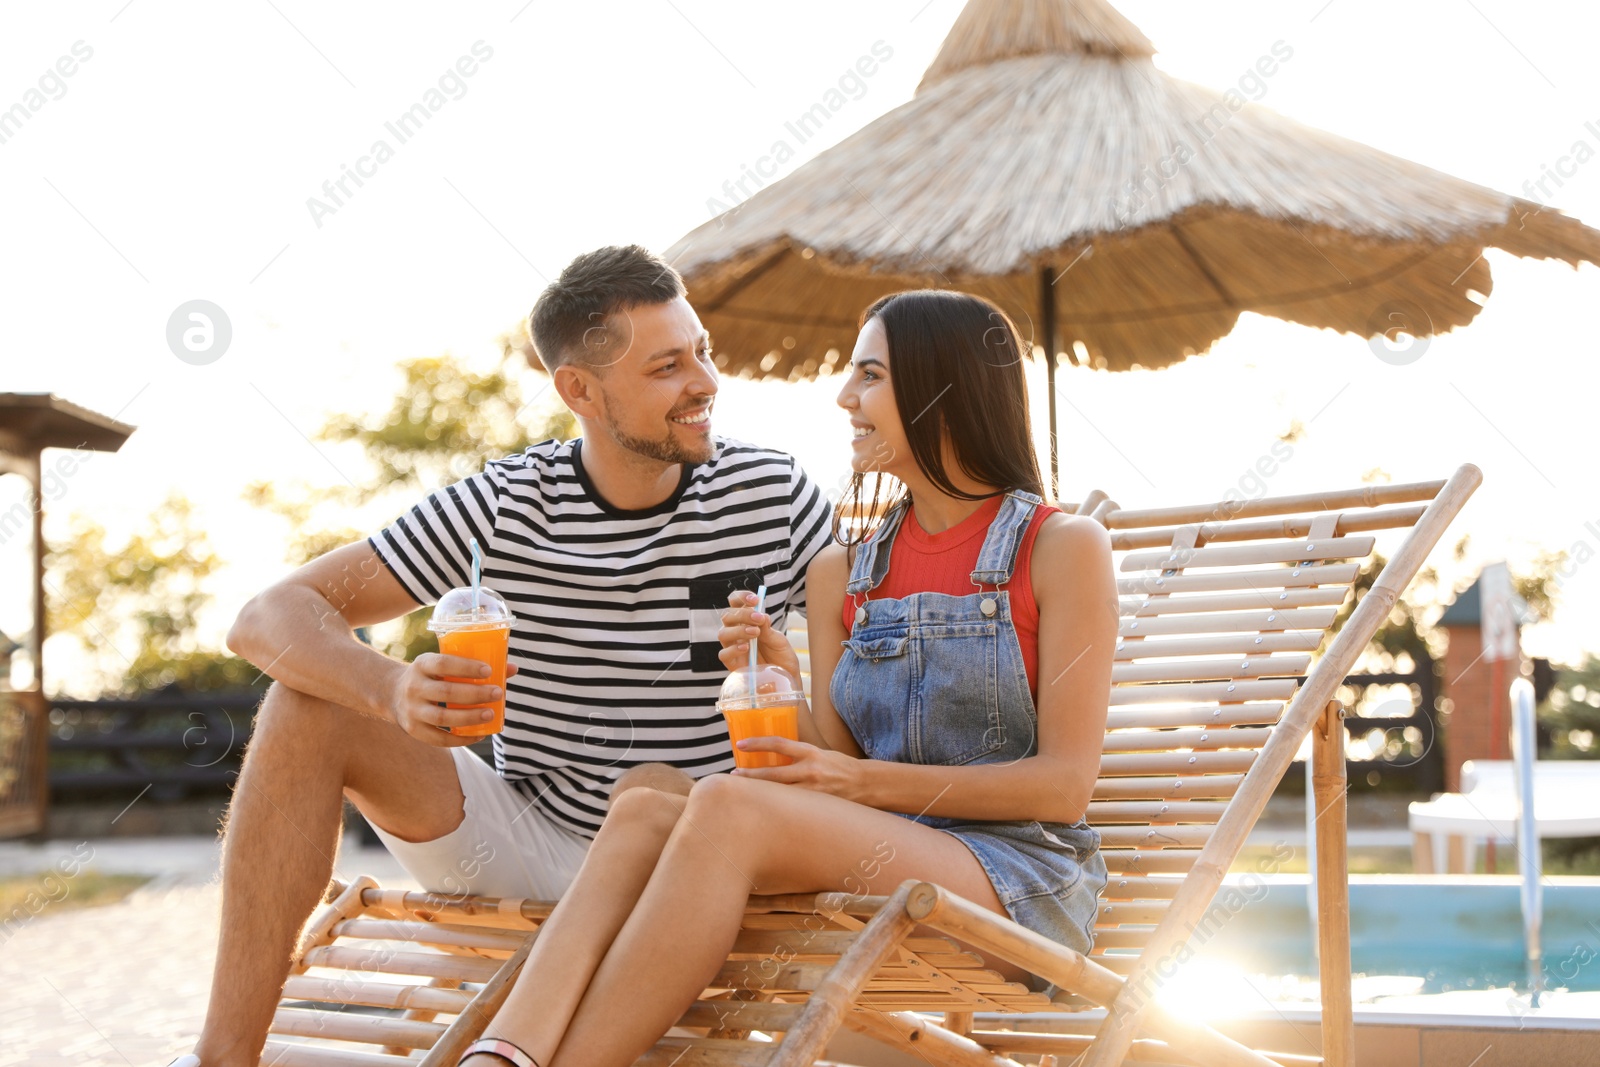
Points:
(656, 393)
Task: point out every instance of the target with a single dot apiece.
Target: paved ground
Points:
(123, 985)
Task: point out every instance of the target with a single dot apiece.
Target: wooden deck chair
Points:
(1217, 682)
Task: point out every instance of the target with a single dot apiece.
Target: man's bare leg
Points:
(282, 835)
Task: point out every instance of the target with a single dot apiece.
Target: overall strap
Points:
(998, 556)
(872, 557)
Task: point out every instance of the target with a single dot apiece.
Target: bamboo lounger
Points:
(1222, 608)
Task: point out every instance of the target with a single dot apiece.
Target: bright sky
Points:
(176, 161)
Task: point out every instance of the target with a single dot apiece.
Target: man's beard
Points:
(667, 449)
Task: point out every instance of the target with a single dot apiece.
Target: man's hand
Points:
(423, 687)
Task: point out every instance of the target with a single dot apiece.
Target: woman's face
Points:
(879, 443)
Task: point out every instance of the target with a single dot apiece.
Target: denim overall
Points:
(939, 679)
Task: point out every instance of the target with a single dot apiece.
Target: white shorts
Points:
(504, 847)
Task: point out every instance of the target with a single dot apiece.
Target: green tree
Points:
(133, 607)
(1570, 714)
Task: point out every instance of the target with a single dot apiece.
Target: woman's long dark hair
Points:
(956, 368)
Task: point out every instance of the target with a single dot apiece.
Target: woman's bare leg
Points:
(581, 928)
(738, 836)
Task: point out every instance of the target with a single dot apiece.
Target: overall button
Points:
(861, 615)
(988, 609)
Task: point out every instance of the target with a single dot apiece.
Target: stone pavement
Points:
(123, 985)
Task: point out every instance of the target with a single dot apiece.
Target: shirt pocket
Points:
(707, 599)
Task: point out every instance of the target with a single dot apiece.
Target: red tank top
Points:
(920, 562)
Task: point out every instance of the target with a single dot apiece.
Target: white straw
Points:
(761, 604)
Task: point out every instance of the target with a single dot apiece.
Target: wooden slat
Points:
(1211, 645)
(1134, 888)
(1248, 555)
(707, 1052)
(1250, 713)
(1219, 524)
(1229, 667)
(1117, 764)
(741, 1015)
(1167, 787)
(284, 1054)
(1259, 619)
(1242, 689)
(1148, 861)
(422, 933)
(764, 975)
(1268, 581)
(1129, 937)
(1058, 1044)
(503, 912)
(920, 1039)
(823, 904)
(951, 960)
(1288, 598)
(426, 964)
(1199, 737)
(804, 942)
(345, 989)
(1154, 812)
(1366, 497)
(350, 1026)
(1120, 912)
(1181, 836)
(1122, 965)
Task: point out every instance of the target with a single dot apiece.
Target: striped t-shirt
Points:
(616, 611)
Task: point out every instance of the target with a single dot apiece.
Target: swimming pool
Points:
(1453, 933)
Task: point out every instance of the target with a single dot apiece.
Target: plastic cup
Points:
(480, 631)
(761, 703)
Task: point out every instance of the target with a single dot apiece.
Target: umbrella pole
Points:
(1047, 326)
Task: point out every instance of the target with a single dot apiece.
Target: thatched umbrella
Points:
(1118, 214)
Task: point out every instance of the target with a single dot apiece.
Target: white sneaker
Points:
(188, 1059)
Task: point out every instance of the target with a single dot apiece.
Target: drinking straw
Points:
(477, 573)
(761, 603)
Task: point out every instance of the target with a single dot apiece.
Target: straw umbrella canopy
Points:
(1116, 213)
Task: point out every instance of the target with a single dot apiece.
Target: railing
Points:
(178, 746)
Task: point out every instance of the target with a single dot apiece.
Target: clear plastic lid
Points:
(456, 610)
(773, 685)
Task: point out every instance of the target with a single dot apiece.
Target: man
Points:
(616, 552)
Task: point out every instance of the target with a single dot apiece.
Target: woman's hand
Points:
(741, 624)
(820, 770)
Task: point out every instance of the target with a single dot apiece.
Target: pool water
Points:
(1453, 933)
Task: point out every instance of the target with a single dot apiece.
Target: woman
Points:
(960, 655)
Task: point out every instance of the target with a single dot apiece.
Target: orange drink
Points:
(475, 623)
(763, 702)
(772, 720)
(487, 645)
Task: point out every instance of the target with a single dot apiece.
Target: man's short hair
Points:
(574, 318)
